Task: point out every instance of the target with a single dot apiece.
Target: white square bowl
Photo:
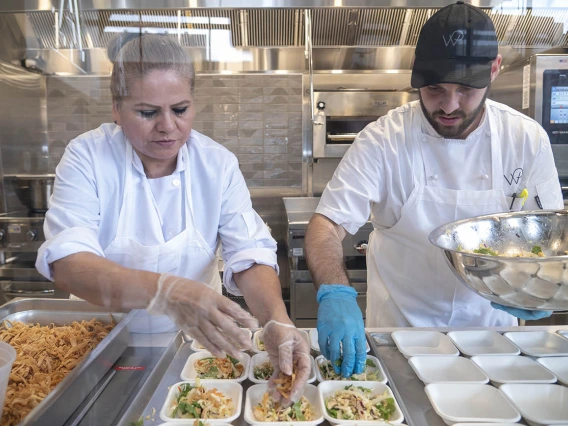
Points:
(447, 369)
(539, 343)
(557, 366)
(539, 404)
(465, 402)
(513, 369)
(196, 346)
(232, 390)
(189, 373)
(255, 394)
(256, 339)
(373, 365)
(262, 357)
(315, 345)
(328, 388)
(484, 424)
(482, 342)
(423, 343)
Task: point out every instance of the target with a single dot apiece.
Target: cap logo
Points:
(454, 38)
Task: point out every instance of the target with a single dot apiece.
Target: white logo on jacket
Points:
(456, 36)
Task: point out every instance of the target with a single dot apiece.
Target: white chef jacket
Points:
(86, 202)
(376, 178)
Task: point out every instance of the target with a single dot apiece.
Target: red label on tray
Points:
(128, 367)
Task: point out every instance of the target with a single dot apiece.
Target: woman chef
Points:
(451, 155)
(139, 207)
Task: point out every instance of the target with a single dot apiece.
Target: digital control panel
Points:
(555, 105)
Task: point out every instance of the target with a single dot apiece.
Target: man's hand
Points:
(287, 348)
(524, 314)
(204, 314)
(340, 322)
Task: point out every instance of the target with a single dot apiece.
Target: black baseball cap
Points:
(456, 45)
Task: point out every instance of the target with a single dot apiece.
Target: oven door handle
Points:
(342, 137)
(28, 293)
(7, 287)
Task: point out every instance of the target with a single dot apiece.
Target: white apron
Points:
(186, 255)
(409, 282)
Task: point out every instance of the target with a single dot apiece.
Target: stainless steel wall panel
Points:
(23, 140)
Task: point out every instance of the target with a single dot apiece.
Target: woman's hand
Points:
(204, 314)
(287, 348)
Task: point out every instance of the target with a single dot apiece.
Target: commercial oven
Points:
(343, 105)
(538, 87)
(303, 304)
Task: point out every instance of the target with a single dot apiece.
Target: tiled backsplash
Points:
(257, 117)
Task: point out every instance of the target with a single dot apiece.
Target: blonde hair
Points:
(135, 55)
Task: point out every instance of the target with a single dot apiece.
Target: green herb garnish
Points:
(194, 409)
(485, 250)
(386, 408)
(332, 412)
(370, 363)
(298, 411)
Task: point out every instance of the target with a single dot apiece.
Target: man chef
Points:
(453, 154)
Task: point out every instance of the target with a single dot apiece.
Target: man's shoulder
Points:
(395, 122)
(511, 118)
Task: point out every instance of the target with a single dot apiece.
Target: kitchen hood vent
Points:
(284, 27)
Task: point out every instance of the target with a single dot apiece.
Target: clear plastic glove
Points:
(340, 322)
(204, 314)
(523, 314)
(287, 347)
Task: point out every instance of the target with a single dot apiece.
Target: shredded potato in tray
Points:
(284, 382)
(45, 355)
(270, 411)
(219, 368)
(359, 403)
(195, 402)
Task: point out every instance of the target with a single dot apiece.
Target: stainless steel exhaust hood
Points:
(284, 27)
(69, 36)
(48, 5)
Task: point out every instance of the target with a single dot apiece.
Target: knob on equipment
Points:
(320, 105)
(31, 235)
(361, 246)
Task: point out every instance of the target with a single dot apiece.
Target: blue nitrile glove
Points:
(523, 314)
(340, 321)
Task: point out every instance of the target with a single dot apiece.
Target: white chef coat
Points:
(377, 177)
(89, 186)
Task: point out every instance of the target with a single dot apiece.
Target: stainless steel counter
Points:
(139, 392)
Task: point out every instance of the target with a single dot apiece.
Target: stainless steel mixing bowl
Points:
(520, 282)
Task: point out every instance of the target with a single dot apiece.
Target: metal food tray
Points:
(64, 399)
(152, 395)
(407, 388)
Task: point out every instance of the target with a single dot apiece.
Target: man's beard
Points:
(454, 131)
